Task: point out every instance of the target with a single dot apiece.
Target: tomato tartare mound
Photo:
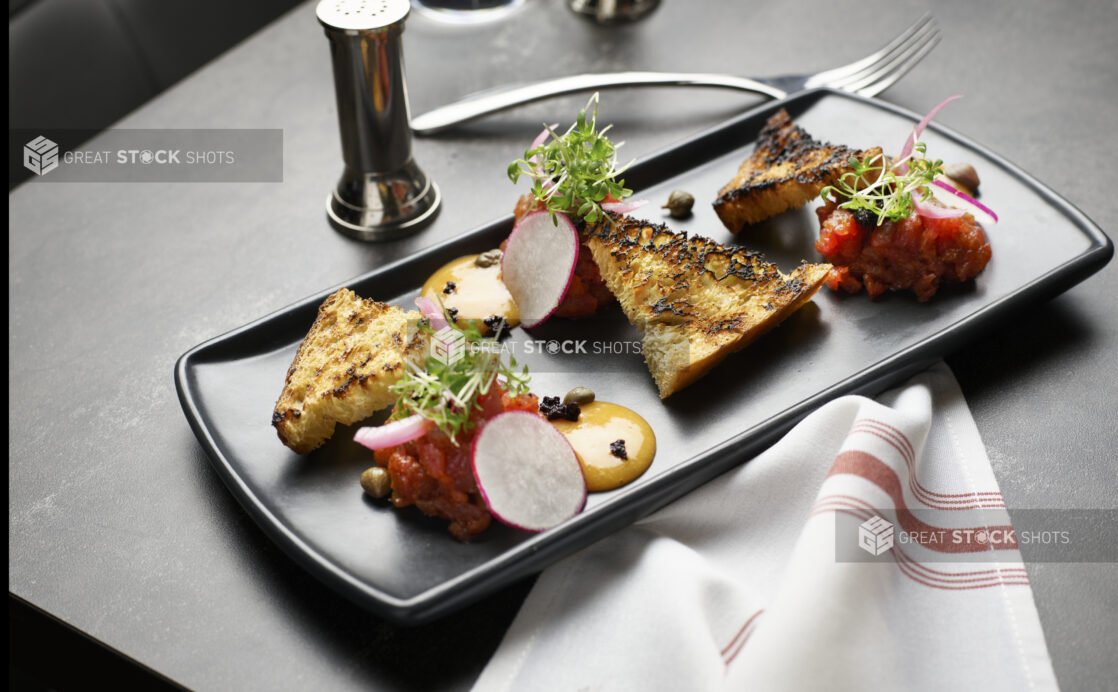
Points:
(436, 475)
(917, 253)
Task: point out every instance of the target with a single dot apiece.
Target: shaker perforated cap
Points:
(362, 15)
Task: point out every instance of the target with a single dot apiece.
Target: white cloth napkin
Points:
(738, 584)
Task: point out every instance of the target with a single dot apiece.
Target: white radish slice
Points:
(527, 472)
(538, 263)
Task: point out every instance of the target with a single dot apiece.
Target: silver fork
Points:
(869, 76)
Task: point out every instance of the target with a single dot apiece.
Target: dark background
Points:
(76, 67)
(80, 65)
(122, 538)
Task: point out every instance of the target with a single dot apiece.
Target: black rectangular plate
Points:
(406, 567)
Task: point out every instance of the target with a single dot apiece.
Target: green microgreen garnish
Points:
(885, 190)
(575, 172)
(445, 391)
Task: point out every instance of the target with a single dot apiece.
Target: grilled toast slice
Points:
(355, 350)
(695, 300)
(786, 170)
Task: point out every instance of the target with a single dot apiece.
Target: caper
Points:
(679, 204)
(376, 482)
(579, 395)
(488, 258)
(963, 174)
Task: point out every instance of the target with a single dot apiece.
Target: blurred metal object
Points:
(466, 11)
(869, 77)
(382, 193)
(606, 11)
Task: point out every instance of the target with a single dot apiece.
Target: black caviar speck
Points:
(453, 312)
(617, 449)
(449, 288)
(552, 408)
(498, 326)
(865, 218)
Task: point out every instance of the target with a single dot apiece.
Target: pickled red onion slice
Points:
(431, 311)
(393, 433)
(624, 207)
(932, 211)
(977, 209)
(540, 139)
(919, 130)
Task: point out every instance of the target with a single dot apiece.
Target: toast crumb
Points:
(355, 350)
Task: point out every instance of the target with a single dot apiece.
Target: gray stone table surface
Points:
(119, 527)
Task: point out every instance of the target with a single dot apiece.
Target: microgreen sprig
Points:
(575, 172)
(446, 391)
(886, 189)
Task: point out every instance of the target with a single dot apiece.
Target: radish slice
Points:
(527, 472)
(394, 433)
(538, 264)
(431, 311)
(950, 195)
(624, 207)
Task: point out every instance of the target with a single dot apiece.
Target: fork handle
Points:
(478, 105)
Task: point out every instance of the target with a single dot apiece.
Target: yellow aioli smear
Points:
(599, 424)
(478, 291)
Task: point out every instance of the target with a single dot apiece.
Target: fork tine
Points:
(887, 62)
(875, 89)
(856, 67)
(876, 85)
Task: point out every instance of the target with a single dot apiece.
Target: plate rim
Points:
(537, 551)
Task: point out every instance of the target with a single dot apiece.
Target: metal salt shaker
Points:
(382, 193)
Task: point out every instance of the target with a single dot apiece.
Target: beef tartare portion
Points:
(917, 253)
(434, 474)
